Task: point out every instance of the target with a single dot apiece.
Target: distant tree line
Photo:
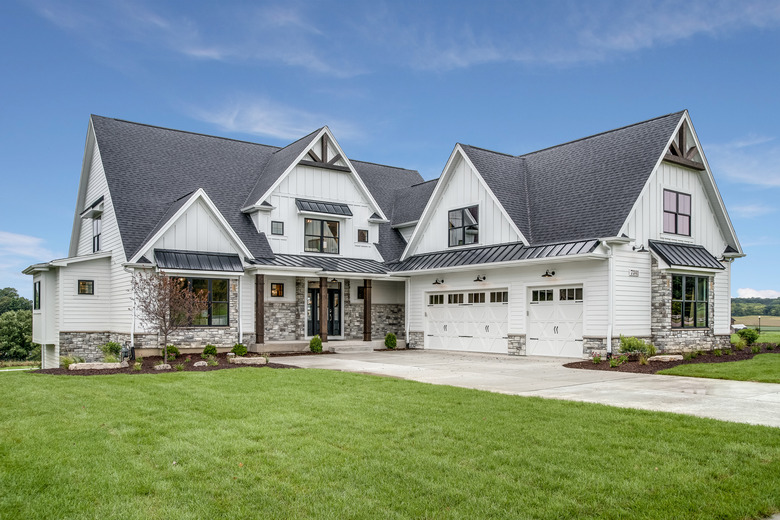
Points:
(16, 327)
(755, 306)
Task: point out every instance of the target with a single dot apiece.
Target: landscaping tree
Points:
(166, 304)
(11, 301)
(16, 335)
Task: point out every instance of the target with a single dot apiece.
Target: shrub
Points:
(728, 352)
(755, 348)
(35, 353)
(596, 359)
(112, 348)
(180, 367)
(172, 352)
(636, 345)
(642, 359)
(770, 346)
(617, 361)
(687, 356)
(740, 345)
(717, 352)
(66, 361)
(749, 335)
(315, 345)
(209, 350)
(212, 362)
(390, 340)
(239, 349)
(109, 358)
(137, 366)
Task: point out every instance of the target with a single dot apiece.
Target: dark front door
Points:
(334, 312)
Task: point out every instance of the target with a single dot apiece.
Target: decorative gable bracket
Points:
(680, 153)
(321, 161)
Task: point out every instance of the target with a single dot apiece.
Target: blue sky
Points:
(398, 83)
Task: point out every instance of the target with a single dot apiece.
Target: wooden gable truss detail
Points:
(321, 161)
(680, 153)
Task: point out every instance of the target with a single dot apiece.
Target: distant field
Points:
(768, 322)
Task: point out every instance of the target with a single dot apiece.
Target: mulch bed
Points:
(148, 364)
(655, 366)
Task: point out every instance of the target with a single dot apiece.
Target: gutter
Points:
(511, 263)
(608, 243)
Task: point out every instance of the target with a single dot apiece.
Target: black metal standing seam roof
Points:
(332, 208)
(685, 255)
(492, 254)
(325, 263)
(197, 261)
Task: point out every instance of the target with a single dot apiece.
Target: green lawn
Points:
(764, 368)
(261, 443)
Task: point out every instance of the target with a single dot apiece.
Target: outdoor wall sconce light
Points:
(639, 249)
(438, 281)
(480, 278)
(334, 281)
(548, 274)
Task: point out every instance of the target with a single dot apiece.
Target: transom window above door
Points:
(677, 213)
(321, 236)
(463, 226)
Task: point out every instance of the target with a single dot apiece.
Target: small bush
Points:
(239, 349)
(137, 366)
(180, 367)
(172, 352)
(755, 349)
(112, 348)
(728, 352)
(749, 335)
(740, 345)
(636, 345)
(596, 359)
(390, 341)
(617, 361)
(315, 345)
(209, 350)
(642, 359)
(212, 362)
(770, 346)
(717, 352)
(66, 361)
(109, 358)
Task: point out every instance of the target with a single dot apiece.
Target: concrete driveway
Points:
(745, 402)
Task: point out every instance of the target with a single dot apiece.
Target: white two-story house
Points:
(556, 252)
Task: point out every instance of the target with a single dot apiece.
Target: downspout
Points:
(407, 299)
(610, 297)
(240, 311)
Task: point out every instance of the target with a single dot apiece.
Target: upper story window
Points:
(677, 213)
(362, 235)
(690, 302)
(464, 226)
(37, 295)
(277, 228)
(97, 228)
(321, 236)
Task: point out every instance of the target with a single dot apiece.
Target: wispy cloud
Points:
(17, 252)
(753, 160)
(753, 293)
(261, 116)
(752, 210)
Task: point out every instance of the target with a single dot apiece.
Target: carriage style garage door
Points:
(555, 322)
(473, 321)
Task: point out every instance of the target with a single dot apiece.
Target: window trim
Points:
(359, 231)
(91, 287)
(211, 301)
(696, 302)
(37, 295)
(279, 287)
(322, 236)
(676, 213)
(97, 230)
(280, 222)
(463, 227)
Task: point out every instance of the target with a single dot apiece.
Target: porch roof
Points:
(325, 263)
(685, 255)
(317, 206)
(197, 261)
(492, 254)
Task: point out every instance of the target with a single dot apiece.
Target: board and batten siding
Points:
(645, 222)
(86, 312)
(463, 189)
(592, 275)
(98, 187)
(382, 292)
(306, 182)
(632, 286)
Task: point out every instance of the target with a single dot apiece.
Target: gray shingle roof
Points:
(149, 169)
(577, 190)
(409, 202)
(685, 255)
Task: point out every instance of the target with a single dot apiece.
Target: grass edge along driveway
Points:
(312, 443)
(763, 368)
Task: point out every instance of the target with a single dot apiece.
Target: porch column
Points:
(366, 310)
(324, 309)
(259, 308)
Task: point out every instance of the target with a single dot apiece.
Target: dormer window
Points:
(464, 226)
(677, 213)
(97, 228)
(321, 236)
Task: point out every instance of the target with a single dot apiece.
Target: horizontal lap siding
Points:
(84, 312)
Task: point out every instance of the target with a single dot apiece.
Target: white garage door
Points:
(471, 321)
(555, 322)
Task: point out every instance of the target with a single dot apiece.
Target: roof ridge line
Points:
(299, 139)
(384, 165)
(599, 134)
(420, 183)
(488, 150)
(185, 131)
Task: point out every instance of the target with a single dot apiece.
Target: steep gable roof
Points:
(409, 202)
(580, 189)
(149, 169)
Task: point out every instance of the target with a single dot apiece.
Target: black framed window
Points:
(86, 287)
(36, 295)
(321, 236)
(690, 301)
(362, 235)
(97, 229)
(277, 290)
(277, 227)
(677, 213)
(217, 313)
(361, 292)
(463, 226)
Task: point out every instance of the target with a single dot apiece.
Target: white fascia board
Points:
(199, 194)
(405, 224)
(511, 263)
(695, 270)
(138, 265)
(282, 270)
(258, 207)
(361, 185)
(319, 215)
(37, 268)
(195, 273)
(86, 165)
(616, 240)
(443, 179)
(63, 262)
(378, 221)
